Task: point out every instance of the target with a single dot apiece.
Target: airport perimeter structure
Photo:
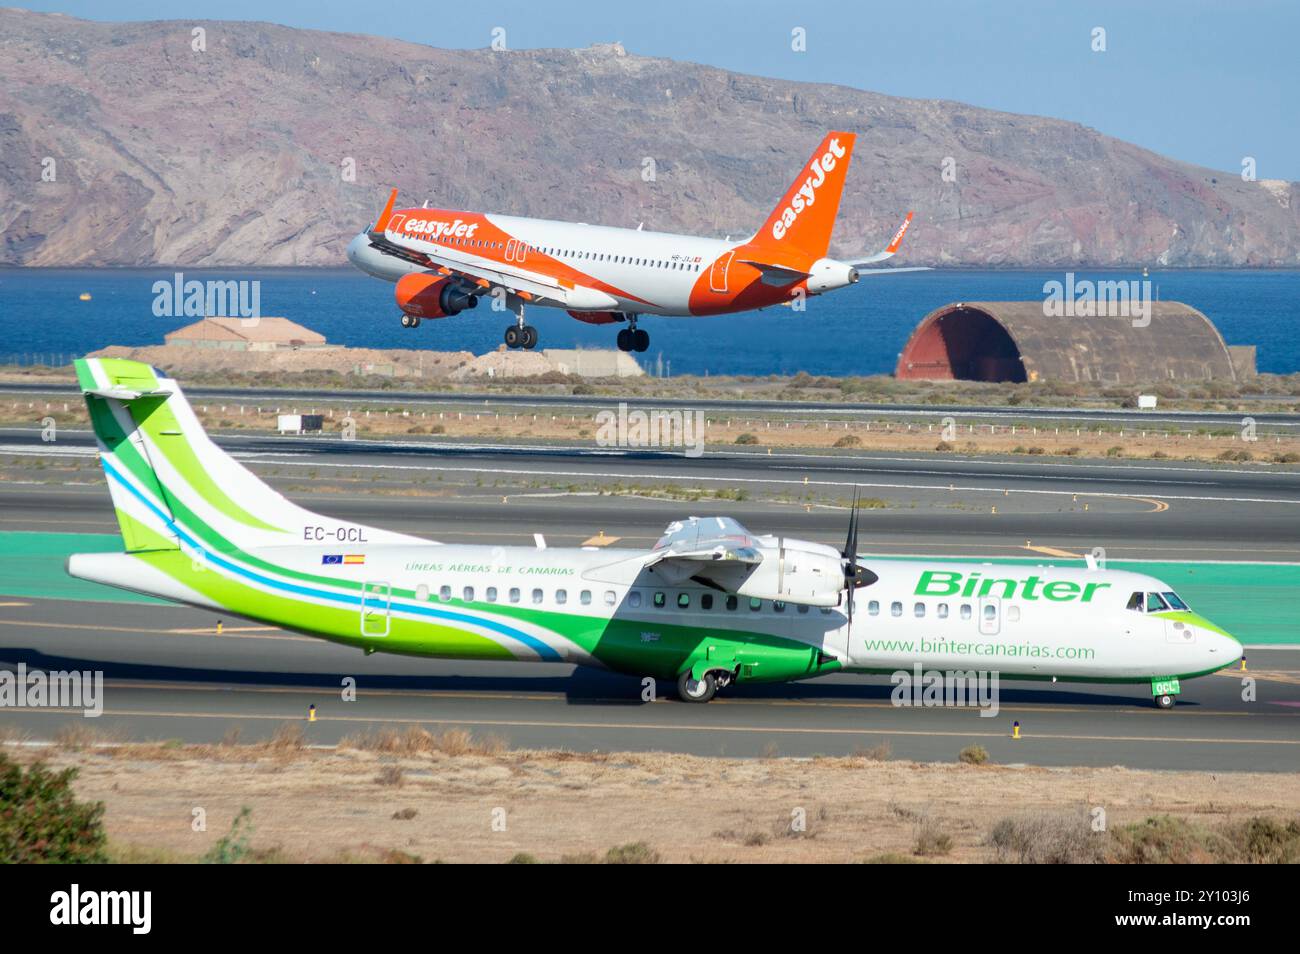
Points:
(1017, 341)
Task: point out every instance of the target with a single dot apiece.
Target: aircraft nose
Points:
(1230, 648)
(356, 247)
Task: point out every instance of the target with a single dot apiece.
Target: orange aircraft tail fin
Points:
(805, 216)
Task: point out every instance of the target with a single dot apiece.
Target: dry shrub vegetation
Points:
(408, 795)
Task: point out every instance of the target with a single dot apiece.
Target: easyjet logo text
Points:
(435, 229)
(821, 167)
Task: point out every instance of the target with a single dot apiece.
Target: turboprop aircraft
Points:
(708, 606)
(443, 261)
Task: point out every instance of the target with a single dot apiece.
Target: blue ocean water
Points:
(858, 330)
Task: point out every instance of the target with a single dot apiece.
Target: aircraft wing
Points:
(857, 261)
(428, 255)
(482, 271)
(700, 547)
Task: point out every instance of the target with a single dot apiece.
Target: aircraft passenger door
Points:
(376, 598)
(990, 615)
(718, 274)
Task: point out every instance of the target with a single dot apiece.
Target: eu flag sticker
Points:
(331, 558)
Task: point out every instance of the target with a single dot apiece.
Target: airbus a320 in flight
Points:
(443, 261)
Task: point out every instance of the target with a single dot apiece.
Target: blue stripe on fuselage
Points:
(532, 642)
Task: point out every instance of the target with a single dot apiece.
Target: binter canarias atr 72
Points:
(443, 261)
(710, 605)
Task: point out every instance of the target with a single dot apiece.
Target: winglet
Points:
(381, 224)
(893, 246)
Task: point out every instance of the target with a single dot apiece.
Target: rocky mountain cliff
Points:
(238, 154)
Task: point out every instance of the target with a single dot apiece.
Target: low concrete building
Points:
(595, 363)
(246, 334)
(1017, 341)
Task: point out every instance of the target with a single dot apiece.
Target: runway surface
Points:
(1284, 421)
(927, 504)
(169, 676)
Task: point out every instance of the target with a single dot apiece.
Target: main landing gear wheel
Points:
(633, 339)
(1165, 702)
(521, 336)
(410, 321)
(691, 690)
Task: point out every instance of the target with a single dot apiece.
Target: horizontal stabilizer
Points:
(125, 394)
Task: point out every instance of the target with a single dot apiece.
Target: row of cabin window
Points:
(593, 256)
(659, 599)
(514, 595)
(624, 259)
(941, 611)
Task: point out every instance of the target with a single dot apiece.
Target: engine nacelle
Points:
(426, 295)
(797, 572)
(597, 317)
(794, 571)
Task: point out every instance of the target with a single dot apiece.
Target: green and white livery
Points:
(710, 605)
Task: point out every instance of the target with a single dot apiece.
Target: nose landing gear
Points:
(410, 321)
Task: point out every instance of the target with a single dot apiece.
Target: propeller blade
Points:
(850, 554)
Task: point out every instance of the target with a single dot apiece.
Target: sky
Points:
(1204, 81)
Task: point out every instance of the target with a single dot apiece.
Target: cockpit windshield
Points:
(1174, 601)
(1156, 602)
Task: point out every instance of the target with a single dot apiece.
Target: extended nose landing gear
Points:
(410, 321)
(633, 338)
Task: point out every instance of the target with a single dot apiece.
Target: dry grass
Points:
(416, 740)
(931, 839)
(749, 428)
(461, 798)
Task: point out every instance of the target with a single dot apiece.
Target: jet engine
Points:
(427, 295)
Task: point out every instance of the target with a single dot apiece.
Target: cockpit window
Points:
(1174, 600)
(1135, 602)
(1155, 603)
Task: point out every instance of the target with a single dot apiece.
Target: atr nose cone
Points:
(1230, 648)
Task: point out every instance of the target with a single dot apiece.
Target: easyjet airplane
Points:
(444, 261)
